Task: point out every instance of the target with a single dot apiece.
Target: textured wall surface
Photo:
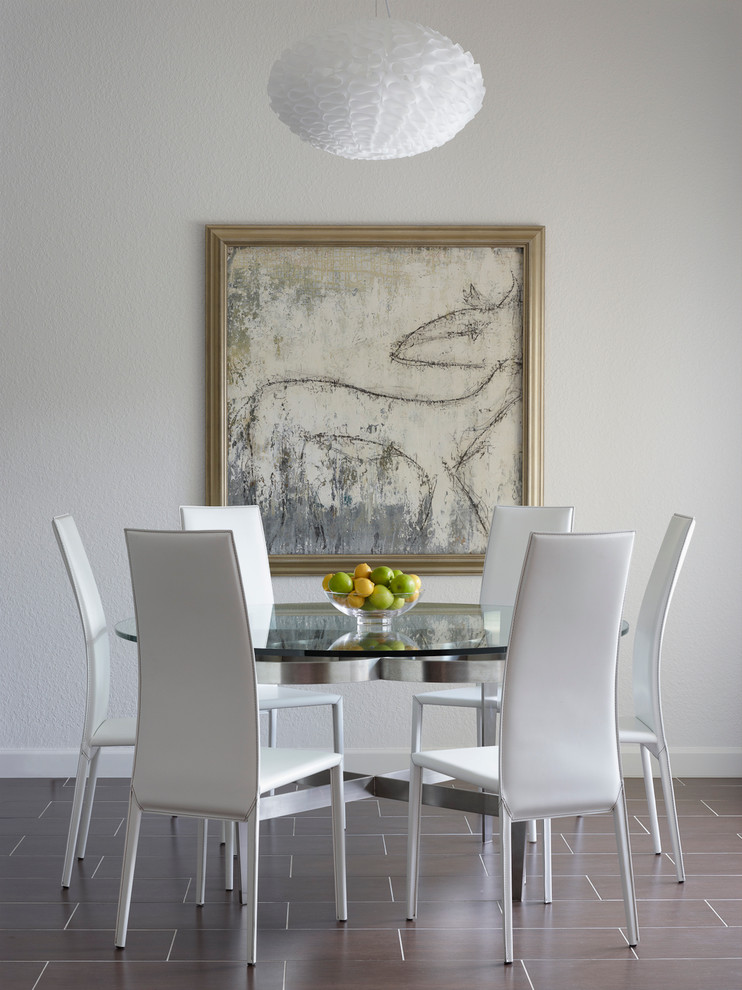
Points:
(127, 127)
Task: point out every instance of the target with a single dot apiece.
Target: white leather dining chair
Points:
(509, 533)
(246, 524)
(560, 674)
(198, 748)
(99, 729)
(249, 537)
(646, 726)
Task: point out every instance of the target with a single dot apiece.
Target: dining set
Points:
(536, 658)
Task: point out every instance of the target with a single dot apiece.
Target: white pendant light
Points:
(376, 89)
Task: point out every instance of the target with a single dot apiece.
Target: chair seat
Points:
(284, 766)
(278, 696)
(477, 765)
(633, 730)
(464, 697)
(115, 732)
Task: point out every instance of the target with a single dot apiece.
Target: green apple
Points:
(341, 583)
(402, 584)
(380, 598)
(381, 575)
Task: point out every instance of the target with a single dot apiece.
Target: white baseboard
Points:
(686, 761)
(62, 762)
(702, 761)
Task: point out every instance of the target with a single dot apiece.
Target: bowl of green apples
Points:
(372, 595)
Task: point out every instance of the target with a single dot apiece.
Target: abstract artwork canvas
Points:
(371, 387)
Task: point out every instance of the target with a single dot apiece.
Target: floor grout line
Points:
(16, 845)
(528, 975)
(40, 974)
(640, 824)
(561, 836)
(594, 887)
(706, 901)
(172, 943)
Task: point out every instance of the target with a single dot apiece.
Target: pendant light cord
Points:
(376, 8)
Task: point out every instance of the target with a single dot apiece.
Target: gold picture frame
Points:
(296, 318)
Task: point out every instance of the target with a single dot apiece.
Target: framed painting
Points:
(375, 390)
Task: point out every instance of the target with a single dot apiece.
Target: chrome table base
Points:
(395, 787)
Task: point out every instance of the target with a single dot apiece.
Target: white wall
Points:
(128, 126)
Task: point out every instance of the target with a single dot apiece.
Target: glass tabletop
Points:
(319, 630)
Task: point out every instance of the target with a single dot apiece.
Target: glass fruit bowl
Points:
(374, 616)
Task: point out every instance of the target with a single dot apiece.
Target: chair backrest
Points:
(559, 741)
(650, 626)
(510, 531)
(197, 748)
(93, 619)
(249, 541)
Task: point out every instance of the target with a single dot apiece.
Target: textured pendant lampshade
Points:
(375, 89)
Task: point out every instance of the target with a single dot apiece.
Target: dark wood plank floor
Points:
(51, 939)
